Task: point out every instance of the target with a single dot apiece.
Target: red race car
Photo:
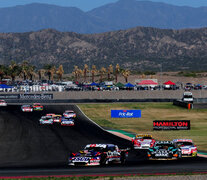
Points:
(37, 107)
(57, 118)
(142, 141)
(27, 108)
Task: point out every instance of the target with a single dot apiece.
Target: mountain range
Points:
(138, 49)
(121, 15)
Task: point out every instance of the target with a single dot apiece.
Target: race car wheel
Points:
(123, 158)
(103, 160)
(132, 146)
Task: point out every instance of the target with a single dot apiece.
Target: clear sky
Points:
(90, 4)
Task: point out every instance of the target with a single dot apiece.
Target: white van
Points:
(188, 97)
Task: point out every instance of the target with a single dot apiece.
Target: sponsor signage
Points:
(36, 96)
(26, 96)
(171, 125)
(125, 113)
(9, 96)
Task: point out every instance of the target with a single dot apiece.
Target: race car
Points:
(46, 120)
(164, 150)
(188, 149)
(98, 154)
(69, 114)
(67, 122)
(3, 103)
(37, 107)
(57, 118)
(51, 114)
(142, 141)
(26, 108)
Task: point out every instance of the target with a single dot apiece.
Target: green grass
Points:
(101, 114)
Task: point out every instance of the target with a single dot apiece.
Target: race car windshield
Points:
(164, 146)
(147, 138)
(94, 149)
(184, 144)
(46, 118)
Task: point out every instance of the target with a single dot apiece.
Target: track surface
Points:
(30, 149)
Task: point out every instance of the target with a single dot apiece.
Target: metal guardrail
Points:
(86, 100)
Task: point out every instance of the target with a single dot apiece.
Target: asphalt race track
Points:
(30, 149)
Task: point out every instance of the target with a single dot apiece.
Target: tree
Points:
(24, 69)
(110, 71)
(60, 72)
(93, 72)
(2, 71)
(80, 73)
(41, 73)
(126, 74)
(14, 70)
(77, 73)
(50, 70)
(117, 71)
(102, 72)
(31, 72)
(85, 71)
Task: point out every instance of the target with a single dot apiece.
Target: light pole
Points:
(161, 75)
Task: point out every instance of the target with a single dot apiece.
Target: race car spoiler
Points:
(143, 135)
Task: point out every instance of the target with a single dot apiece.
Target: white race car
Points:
(67, 121)
(188, 149)
(3, 103)
(46, 120)
(69, 114)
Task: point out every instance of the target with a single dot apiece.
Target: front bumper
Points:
(140, 147)
(189, 154)
(67, 124)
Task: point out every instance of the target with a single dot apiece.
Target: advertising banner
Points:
(9, 96)
(36, 96)
(26, 96)
(171, 125)
(125, 113)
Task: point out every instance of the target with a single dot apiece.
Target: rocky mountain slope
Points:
(139, 48)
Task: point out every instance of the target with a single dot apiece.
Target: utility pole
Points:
(161, 75)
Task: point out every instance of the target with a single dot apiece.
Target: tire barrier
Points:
(183, 104)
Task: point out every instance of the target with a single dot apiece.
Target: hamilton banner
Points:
(171, 125)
